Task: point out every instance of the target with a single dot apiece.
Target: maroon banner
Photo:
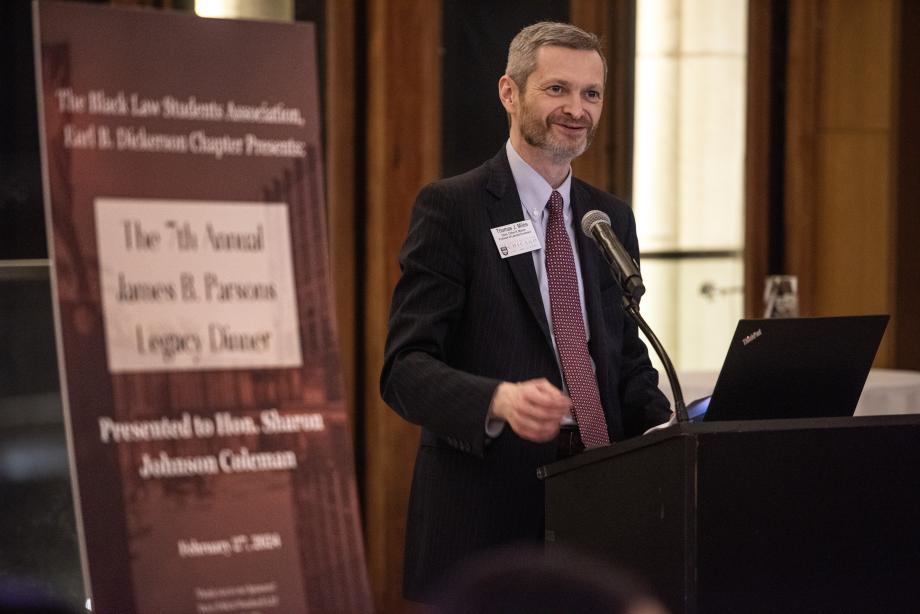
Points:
(211, 457)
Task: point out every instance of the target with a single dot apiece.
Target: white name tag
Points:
(516, 238)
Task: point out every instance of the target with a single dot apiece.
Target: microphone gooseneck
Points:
(596, 225)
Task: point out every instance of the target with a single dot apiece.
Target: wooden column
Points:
(607, 164)
(403, 154)
(759, 145)
(801, 151)
(907, 216)
(840, 167)
(339, 118)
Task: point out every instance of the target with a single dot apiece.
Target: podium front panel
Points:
(785, 516)
(637, 512)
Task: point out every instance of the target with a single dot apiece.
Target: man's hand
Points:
(533, 408)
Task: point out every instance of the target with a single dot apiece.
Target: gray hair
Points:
(522, 54)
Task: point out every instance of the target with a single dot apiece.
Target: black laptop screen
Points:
(796, 368)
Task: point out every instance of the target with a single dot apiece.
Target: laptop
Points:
(794, 368)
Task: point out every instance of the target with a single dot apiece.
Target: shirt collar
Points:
(531, 186)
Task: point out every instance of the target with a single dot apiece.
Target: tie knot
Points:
(555, 201)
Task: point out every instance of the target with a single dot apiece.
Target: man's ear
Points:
(507, 93)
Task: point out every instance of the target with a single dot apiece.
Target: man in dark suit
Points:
(507, 340)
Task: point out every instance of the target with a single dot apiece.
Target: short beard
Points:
(536, 133)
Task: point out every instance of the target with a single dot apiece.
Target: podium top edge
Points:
(696, 429)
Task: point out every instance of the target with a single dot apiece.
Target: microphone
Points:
(596, 224)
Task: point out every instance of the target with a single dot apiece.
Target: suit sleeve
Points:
(417, 379)
(644, 405)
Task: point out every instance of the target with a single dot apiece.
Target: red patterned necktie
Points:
(569, 329)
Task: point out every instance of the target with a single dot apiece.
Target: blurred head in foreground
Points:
(527, 580)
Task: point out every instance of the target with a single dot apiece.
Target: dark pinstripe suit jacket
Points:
(462, 321)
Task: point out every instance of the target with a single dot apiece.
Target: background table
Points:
(887, 391)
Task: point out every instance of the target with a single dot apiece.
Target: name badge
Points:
(516, 238)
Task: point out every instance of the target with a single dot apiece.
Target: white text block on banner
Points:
(196, 285)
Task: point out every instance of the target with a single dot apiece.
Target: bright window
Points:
(688, 182)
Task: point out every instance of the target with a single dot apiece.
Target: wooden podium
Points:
(782, 516)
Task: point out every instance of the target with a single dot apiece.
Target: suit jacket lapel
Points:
(507, 209)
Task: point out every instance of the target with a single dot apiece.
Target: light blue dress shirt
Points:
(534, 192)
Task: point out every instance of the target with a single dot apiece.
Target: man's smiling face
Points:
(561, 103)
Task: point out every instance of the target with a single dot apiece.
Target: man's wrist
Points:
(494, 425)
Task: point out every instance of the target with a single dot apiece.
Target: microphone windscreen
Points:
(591, 218)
